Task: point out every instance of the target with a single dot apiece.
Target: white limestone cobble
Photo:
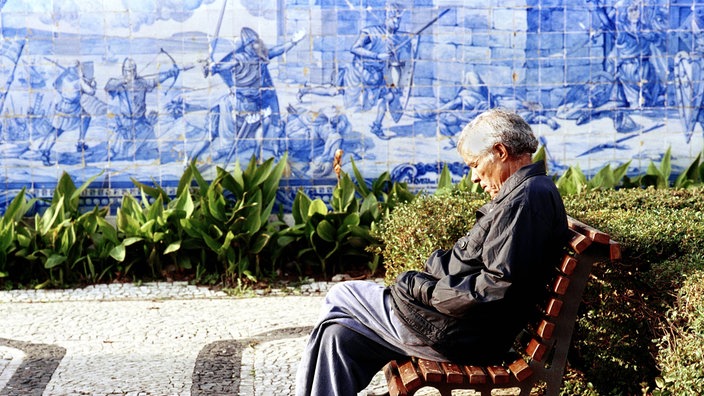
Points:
(10, 359)
(114, 292)
(271, 367)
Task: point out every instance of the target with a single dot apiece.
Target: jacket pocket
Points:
(470, 245)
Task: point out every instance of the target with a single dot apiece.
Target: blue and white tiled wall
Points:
(138, 89)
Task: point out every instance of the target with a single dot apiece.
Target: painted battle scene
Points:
(138, 90)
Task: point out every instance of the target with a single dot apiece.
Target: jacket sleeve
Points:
(419, 285)
(514, 242)
(434, 265)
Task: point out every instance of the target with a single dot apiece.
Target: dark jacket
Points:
(472, 300)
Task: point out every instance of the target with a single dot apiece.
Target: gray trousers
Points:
(357, 334)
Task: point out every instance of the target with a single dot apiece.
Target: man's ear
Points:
(501, 151)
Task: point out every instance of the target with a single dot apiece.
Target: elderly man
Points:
(472, 300)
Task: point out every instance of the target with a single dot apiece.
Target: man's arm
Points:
(114, 86)
(87, 85)
(211, 67)
(508, 254)
(360, 47)
(281, 49)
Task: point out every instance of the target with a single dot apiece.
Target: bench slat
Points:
(545, 329)
(453, 373)
(430, 370)
(498, 374)
(594, 234)
(396, 387)
(553, 308)
(561, 284)
(568, 265)
(475, 375)
(520, 369)
(408, 374)
(578, 242)
(536, 350)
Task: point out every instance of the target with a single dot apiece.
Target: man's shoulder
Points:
(540, 186)
(536, 193)
(114, 83)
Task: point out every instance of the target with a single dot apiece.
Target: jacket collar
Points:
(521, 175)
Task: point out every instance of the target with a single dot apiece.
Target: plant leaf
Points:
(317, 206)
(54, 260)
(326, 231)
(173, 247)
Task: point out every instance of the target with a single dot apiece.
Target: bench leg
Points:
(527, 387)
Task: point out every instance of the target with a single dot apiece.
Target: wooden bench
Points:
(544, 343)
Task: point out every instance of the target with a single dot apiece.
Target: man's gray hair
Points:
(504, 127)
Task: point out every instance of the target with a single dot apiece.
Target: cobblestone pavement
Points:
(156, 339)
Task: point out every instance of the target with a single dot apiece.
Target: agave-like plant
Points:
(69, 245)
(233, 216)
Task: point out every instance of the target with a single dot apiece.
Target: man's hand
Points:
(384, 56)
(174, 71)
(298, 36)
(420, 285)
(207, 66)
(252, 118)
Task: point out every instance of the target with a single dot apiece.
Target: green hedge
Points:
(681, 349)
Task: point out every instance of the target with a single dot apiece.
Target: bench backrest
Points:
(550, 335)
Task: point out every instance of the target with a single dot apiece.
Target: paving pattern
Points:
(157, 339)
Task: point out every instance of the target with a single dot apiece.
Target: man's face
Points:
(393, 22)
(633, 13)
(129, 73)
(489, 172)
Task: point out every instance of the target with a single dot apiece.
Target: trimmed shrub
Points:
(653, 226)
(681, 354)
(660, 232)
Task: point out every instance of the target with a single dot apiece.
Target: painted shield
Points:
(689, 88)
(399, 77)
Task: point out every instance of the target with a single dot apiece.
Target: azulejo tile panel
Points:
(139, 89)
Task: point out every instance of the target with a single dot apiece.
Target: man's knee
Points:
(338, 340)
(338, 292)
